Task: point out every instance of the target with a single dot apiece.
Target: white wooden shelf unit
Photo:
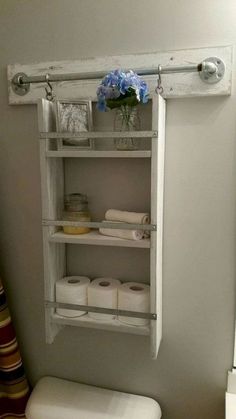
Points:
(55, 241)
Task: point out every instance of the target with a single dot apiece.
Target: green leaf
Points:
(122, 101)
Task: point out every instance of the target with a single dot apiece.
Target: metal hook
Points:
(159, 89)
(49, 92)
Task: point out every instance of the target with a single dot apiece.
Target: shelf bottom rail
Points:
(98, 135)
(96, 225)
(93, 309)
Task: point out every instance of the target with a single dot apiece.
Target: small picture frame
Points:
(74, 116)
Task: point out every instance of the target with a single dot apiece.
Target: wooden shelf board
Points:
(111, 325)
(94, 238)
(99, 153)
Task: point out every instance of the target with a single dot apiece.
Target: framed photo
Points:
(74, 116)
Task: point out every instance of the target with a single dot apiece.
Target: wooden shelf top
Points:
(111, 325)
(95, 238)
(99, 153)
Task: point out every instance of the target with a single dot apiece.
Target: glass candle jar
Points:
(76, 209)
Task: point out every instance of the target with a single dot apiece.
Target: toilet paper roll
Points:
(134, 296)
(72, 290)
(127, 216)
(102, 292)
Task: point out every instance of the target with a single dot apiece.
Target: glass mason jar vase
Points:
(127, 119)
(76, 209)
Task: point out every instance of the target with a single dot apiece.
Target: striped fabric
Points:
(14, 388)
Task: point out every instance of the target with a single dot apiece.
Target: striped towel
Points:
(14, 388)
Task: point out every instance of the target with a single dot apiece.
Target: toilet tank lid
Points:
(54, 398)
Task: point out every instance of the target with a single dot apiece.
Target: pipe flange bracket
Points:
(212, 70)
(18, 86)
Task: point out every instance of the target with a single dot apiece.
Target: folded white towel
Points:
(121, 233)
(127, 216)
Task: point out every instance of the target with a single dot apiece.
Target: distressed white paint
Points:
(96, 239)
(52, 175)
(52, 185)
(157, 191)
(175, 85)
(112, 325)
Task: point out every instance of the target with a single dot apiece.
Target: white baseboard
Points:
(230, 406)
(231, 385)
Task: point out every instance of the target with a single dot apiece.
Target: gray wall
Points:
(189, 376)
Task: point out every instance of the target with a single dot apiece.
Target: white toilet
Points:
(54, 398)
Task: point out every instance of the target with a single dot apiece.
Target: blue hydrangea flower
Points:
(119, 88)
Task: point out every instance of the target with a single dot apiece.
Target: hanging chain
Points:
(159, 89)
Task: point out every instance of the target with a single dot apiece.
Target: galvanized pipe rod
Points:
(211, 70)
(102, 224)
(100, 75)
(93, 309)
(180, 69)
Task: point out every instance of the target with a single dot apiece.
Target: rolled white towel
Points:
(121, 233)
(127, 216)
